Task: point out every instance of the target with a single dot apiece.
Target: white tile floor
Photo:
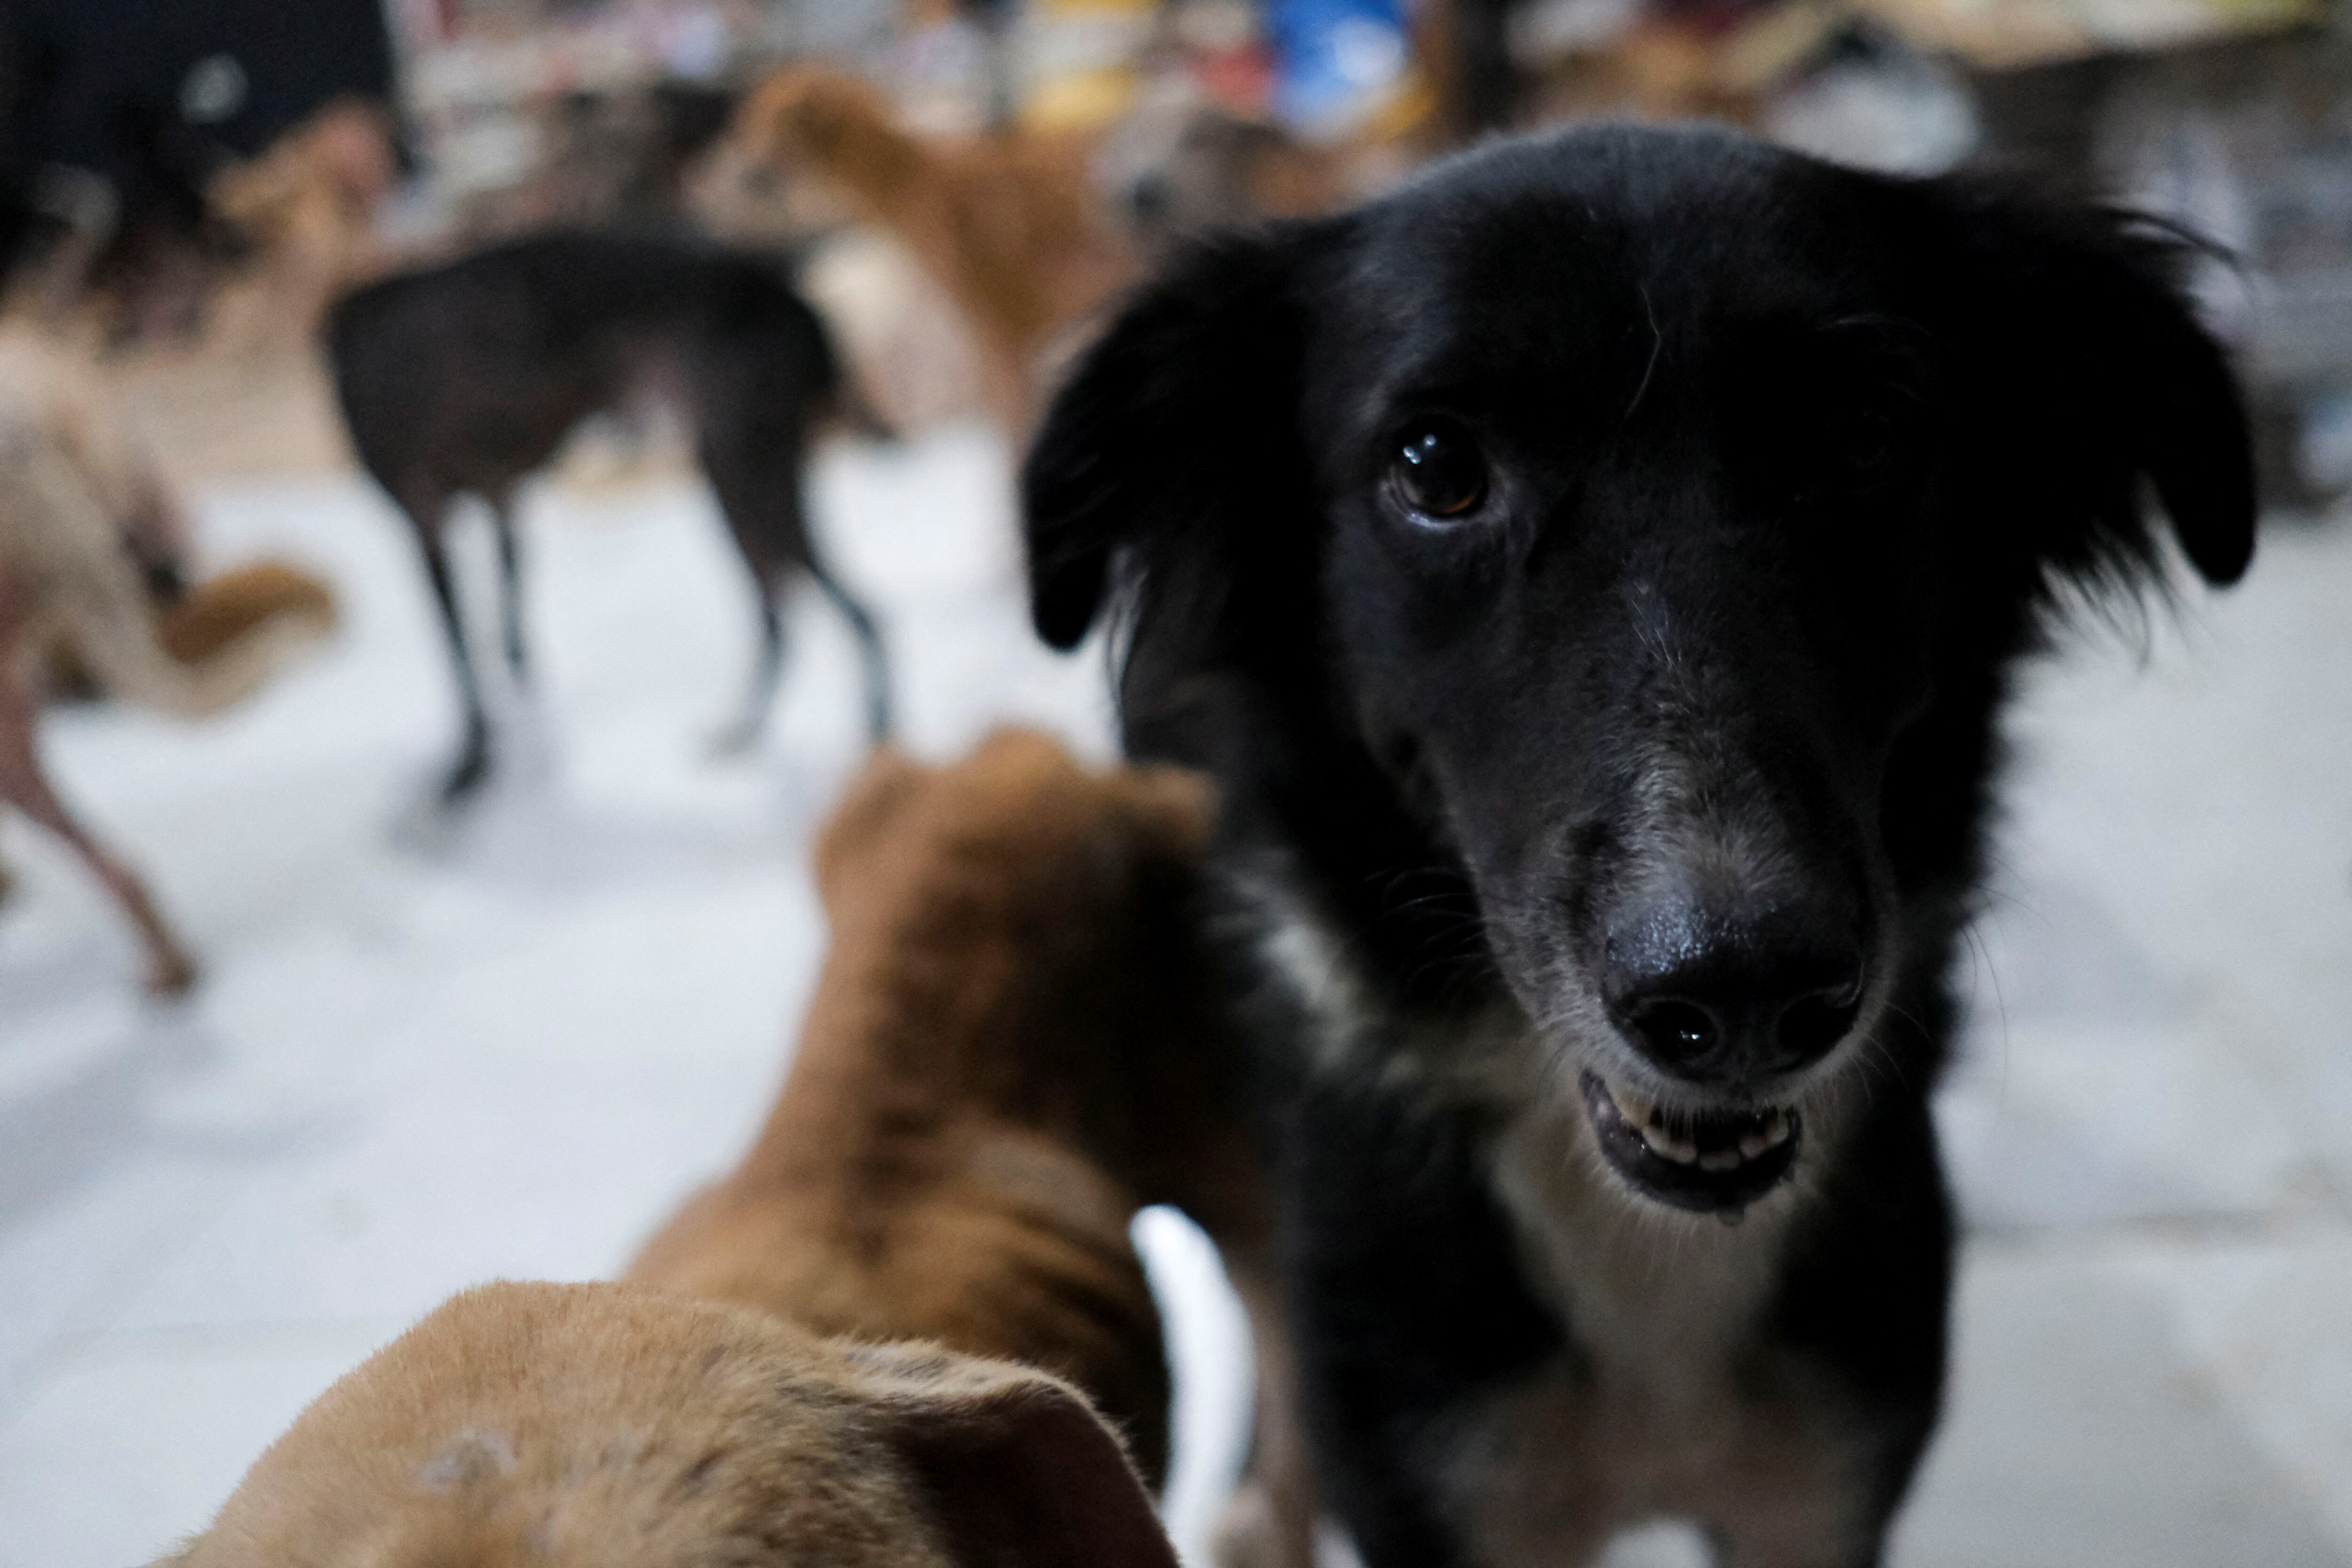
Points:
(418, 1064)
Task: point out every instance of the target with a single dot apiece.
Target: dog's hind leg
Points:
(743, 732)
(873, 657)
(759, 497)
(26, 787)
(510, 584)
(757, 397)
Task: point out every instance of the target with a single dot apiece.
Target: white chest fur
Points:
(1671, 1403)
(1660, 1302)
(1674, 1404)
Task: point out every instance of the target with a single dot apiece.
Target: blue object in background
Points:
(1333, 59)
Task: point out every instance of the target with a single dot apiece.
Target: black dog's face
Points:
(1626, 579)
(1627, 494)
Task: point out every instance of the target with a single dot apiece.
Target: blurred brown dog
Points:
(76, 500)
(1008, 1054)
(599, 1426)
(1008, 225)
(1180, 165)
(308, 206)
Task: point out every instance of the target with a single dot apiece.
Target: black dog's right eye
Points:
(1439, 472)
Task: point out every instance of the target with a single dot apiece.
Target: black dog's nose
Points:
(1712, 997)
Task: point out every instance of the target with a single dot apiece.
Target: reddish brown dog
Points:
(601, 1426)
(1006, 1057)
(1008, 227)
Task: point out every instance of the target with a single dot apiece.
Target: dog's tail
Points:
(95, 587)
(122, 650)
(120, 646)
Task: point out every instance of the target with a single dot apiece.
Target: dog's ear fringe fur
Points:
(1195, 376)
(2092, 378)
(2091, 301)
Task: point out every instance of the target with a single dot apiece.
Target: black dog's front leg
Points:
(1408, 1305)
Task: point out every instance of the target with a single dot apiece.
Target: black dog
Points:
(466, 377)
(1593, 573)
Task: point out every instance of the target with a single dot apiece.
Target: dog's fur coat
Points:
(1592, 574)
(1008, 225)
(1008, 1054)
(603, 1426)
(83, 517)
(464, 378)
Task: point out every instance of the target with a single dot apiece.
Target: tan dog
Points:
(309, 205)
(76, 495)
(1006, 1057)
(1008, 225)
(599, 1426)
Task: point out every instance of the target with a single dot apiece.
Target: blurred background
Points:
(437, 1045)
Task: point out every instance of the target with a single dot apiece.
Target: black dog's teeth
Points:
(1714, 1144)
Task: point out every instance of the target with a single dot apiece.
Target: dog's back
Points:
(1005, 1059)
(597, 1427)
(468, 375)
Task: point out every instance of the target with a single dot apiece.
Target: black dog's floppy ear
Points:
(1183, 411)
(2099, 373)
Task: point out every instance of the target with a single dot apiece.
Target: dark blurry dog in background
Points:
(466, 378)
(1592, 574)
(88, 532)
(1009, 1053)
(532, 1425)
(1008, 225)
(619, 156)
